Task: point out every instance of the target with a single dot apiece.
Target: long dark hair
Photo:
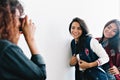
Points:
(114, 42)
(82, 38)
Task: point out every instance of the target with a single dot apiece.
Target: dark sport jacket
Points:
(14, 65)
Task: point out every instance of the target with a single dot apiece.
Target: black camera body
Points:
(21, 21)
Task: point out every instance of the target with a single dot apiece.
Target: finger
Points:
(26, 20)
(113, 72)
(30, 22)
(33, 25)
(74, 54)
(110, 69)
(81, 60)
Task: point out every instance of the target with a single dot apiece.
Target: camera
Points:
(21, 21)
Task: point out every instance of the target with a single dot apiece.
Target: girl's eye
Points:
(72, 27)
(109, 27)
(115, 31)
(79, 28)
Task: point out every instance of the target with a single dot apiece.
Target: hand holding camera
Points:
(28, 28)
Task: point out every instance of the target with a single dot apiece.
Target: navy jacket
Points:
(87, 54)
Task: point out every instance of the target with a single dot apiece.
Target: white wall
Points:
(52, 18)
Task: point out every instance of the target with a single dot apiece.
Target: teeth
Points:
(75, 34)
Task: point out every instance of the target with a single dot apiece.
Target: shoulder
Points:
(98, 38)
(94, 39)
(73, 41)
(4, 43)
(94, 42)
(6, 46)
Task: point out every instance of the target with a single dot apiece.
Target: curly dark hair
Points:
(7, 17)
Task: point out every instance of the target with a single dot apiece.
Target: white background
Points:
(52, 19)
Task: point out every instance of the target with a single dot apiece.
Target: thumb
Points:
(74, 55)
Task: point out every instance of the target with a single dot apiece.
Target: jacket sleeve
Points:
(118, 60)
(23, 67)
(100, 52)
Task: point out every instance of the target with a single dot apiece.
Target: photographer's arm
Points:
(28, 31)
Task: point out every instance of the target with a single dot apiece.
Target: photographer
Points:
(14, 65)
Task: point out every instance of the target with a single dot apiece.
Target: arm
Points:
(100, 52)
(28, 28)
(116, 68)
(20, 65)
(84, 65)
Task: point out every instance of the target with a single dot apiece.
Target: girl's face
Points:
(76, 30)
(110, 31)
